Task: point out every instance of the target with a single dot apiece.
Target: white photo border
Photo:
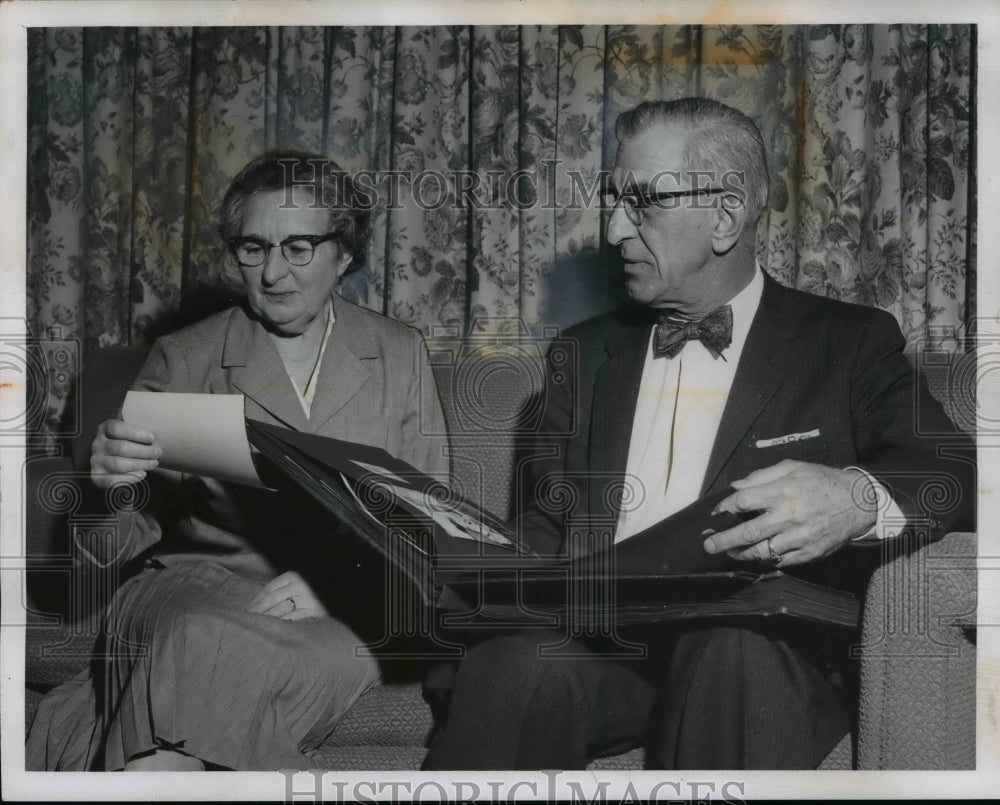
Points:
(16, 17)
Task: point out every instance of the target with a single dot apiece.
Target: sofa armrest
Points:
(918, 666)
(49, 492)
(63, 607)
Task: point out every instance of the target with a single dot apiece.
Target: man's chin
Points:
(637, 292)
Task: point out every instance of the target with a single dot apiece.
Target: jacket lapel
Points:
(257, 370)
(342, 372)
(616, 391)
(766, 360)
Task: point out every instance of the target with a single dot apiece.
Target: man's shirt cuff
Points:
(889, 518)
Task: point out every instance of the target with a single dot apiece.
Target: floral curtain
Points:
(484, 143)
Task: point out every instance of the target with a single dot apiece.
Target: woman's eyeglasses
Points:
(635, 204)
(297, 249)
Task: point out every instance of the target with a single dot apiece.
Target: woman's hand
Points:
(122, 454)
(288, 597)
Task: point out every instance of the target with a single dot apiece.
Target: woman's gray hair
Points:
(332, 188)
(721, 138)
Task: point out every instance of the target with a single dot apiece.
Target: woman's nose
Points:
(275, 266)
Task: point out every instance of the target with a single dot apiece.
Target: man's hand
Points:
(807, 511)
(288, 597)
(122, 454)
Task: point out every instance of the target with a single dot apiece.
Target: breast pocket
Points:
(815, 450)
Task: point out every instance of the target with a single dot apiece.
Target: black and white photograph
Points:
(525, 400)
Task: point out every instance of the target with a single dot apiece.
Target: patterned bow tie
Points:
(715, 331)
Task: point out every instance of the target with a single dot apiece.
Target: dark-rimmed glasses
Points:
(297, 249)
(636, 203)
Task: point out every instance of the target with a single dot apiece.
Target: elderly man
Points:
(715, 378)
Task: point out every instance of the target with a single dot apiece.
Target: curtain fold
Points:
(485, 145)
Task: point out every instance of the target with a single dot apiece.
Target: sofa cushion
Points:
(386, 715)
(842, 756)
(374, 758)
(57, 651)
(489, 395)
(633, 759)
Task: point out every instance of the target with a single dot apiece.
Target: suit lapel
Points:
(342, 372)
(258, 372)
(766, 360)
(616, 391)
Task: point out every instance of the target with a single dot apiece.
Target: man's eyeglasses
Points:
(297, 249)
(635, 204)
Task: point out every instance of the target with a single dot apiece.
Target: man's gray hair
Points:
(720, 139)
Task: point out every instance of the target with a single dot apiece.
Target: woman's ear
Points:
(343, 263)
(730, 220)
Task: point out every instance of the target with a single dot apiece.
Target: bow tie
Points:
(715, 331)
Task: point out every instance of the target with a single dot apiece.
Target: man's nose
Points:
(619, 226)
(275, 266)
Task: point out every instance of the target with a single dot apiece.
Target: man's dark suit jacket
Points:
(808, 363)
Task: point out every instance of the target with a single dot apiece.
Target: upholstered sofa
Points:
(917, 652)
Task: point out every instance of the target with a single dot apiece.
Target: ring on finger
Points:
(773, 557)
(292, 602)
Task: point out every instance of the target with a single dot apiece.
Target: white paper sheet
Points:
(202, 434)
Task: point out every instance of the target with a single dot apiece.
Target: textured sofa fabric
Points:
(918, 679)
(917, 647)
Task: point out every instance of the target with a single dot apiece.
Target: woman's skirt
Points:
(186, 667)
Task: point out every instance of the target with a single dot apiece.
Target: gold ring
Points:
(772, 555)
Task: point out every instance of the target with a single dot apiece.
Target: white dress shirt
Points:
(677, 416)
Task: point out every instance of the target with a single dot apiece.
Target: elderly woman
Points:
(232, 643)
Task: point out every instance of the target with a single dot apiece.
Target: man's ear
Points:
(729, 223)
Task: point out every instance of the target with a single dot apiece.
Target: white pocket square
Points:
(789, 437)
